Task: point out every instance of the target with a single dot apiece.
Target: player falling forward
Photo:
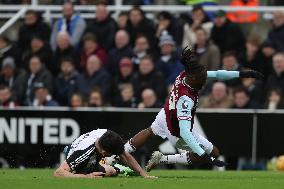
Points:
(84, 154)
(175, 120)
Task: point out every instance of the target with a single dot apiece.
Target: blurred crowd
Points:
(133, 61)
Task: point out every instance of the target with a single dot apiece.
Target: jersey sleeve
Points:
(222, 75)
(79, 157)
(184, 107)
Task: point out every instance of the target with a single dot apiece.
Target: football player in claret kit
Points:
(85, 153)
(176, 119)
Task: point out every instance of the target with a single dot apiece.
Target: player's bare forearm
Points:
(64, 171)
(133, 164)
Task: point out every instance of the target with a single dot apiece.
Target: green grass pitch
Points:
(43, 179)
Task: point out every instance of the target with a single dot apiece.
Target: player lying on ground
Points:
(175, 120)
(84, 154)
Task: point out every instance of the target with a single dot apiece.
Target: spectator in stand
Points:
(226, 35)
(219, 98)
(268, 49)
(64, 49)
(96, 98)
(276, 33)
(148, 77)
(7, 49)
(42, 96)
(167, 22)
(76, 100)
(40, 48)
(207, 52)
(71, 23)
(242, 99)
(168, 62)
(126, 97)
(199, 19)
(24, 85)
(6, 97)
(274, 100)
(124, 77)
(103, 27)
(254, 88)
(122, 20)
(230, 63)
(94, 76)
(141, 49)
(65, 83)
(8, 74)
(33, 25)
(122, 49)
(138, 24)
(276, 78)
(91, 47)
(149, 99)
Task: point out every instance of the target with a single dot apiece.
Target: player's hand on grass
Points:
(251, 74)
(95, 175)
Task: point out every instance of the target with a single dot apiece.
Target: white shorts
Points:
(159, 128)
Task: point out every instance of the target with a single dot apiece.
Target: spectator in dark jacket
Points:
(141, 49)
(91, 47)
(148, 77)
(40, 48)
(96, 98)
(227, 35)
(276, 34)
(95, 76)
(124, 77)
(33, 25)
(168, 62)
(122, 49)
(64, 49)
(138, 24)
(6, 97)
(65, 84)
(8, 74)
(24, 85)
(149, 99)
(276, 78)
(274, 100)
(7, 49)
(70, 23)
(42, 96)
(242, 99)
(254, 88)
(126, 97)
(103, 27)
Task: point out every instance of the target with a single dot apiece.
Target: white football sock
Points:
(176, 158)
(128, 147)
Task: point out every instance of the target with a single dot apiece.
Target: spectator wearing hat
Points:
(148, 77)
(64, 49)
(94, 76)
(199, 19)
(24, 85)
(167, 22)
(6, 97)
(40, 48)
(208, 53)
(226, 35)
(42, 96)
(7, 49)
(141, 49)
(168, 62)
(103, 27)
(91, 47)
(71, 23)
(8, 74)
(121, 49)
(33, 25)
(65, 83)
(124, 77)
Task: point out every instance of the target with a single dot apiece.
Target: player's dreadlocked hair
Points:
(190, 62)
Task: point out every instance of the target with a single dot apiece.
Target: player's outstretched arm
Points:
(133, 164)
(65, 171)
(227, 75)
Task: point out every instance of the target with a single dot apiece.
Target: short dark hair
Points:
(89, 37)
(3, 87)
(112, 143)
(67, 59)
(229, 54)
(241, 89)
